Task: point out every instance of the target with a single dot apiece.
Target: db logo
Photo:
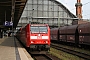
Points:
(39, 37)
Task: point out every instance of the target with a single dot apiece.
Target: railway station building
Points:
(49, 12)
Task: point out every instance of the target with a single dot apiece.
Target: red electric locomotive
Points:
(35, 36)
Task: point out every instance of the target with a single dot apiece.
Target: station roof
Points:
(6, 11)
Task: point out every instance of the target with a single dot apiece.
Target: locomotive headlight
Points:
(32, 42)
(46, 41)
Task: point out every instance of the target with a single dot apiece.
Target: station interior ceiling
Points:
(10, 11)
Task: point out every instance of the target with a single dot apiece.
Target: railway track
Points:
(41, 56)
(70, 51)
(44, 57)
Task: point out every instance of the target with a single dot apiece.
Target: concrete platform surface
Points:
(9, 50)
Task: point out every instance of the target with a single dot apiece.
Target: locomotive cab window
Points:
(38, 29)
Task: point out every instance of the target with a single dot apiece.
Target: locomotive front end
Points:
(39, 37)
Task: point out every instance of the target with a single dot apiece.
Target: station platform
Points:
(10, 49)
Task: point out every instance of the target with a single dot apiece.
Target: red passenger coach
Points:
(36, 36)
